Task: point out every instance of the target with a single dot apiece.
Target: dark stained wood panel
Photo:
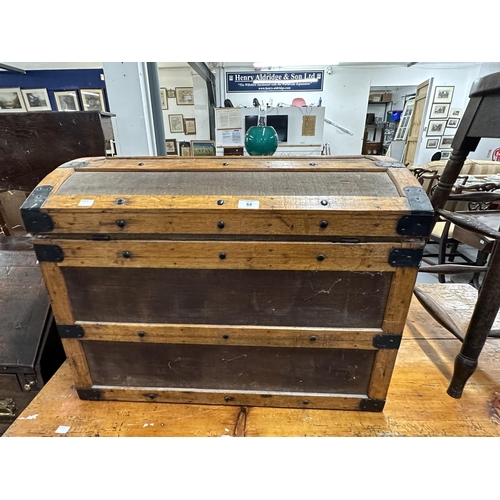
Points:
(342, 371)
(273, 183)
(229, 297)
(33, 144)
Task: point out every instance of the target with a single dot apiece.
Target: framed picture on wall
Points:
(176, 123)
(436, 127)
(190, 126)
(432, 143)
(456, 113)
(184, 148)
(11, 101)
(67, 100)
(445, 155)
(443, 94)
(440, 111)
(446, 141)
(164, 98)
(171, 146)
(184, 96)
(92, 99)
(171, 93)
(453, 123)
(203, 148)
(36, 99)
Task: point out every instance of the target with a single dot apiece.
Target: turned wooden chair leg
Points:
(484, 315)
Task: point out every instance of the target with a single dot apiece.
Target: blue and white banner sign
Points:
(275, 81)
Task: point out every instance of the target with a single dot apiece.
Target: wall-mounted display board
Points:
(275, 81)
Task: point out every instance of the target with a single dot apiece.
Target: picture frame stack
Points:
(442, 117)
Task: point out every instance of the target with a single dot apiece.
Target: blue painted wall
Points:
(55, 80)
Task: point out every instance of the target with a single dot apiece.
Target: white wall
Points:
(344, 98)
(345, 95)
(346, 90)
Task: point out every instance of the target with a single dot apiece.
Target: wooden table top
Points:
(417, 403)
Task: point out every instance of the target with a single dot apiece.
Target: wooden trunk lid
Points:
(356, 196)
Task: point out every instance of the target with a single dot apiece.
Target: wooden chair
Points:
(481, 119)
(459, 235)
(445, 234)
(423, 175)
(442, 232)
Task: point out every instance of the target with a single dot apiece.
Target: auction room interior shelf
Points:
(231, 280)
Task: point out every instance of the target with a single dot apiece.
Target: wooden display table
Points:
(417, 403)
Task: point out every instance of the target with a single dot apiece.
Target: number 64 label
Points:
(248, 204)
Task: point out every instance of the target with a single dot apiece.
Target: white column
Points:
(129, 99)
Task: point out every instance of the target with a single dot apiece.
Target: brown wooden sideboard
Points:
(33, 144)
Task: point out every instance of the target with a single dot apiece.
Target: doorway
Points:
(383, 115)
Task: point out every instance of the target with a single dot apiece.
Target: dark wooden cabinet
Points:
(33, 144)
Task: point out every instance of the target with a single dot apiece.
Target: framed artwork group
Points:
(180, 125)
(442, 117)
(184, 96)
(14, 100)
(193, 148)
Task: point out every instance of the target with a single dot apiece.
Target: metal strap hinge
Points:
(405, 257)
(387, 341)
(70, 331)
(49, 253)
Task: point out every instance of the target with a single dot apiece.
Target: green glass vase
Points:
(261, 141)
